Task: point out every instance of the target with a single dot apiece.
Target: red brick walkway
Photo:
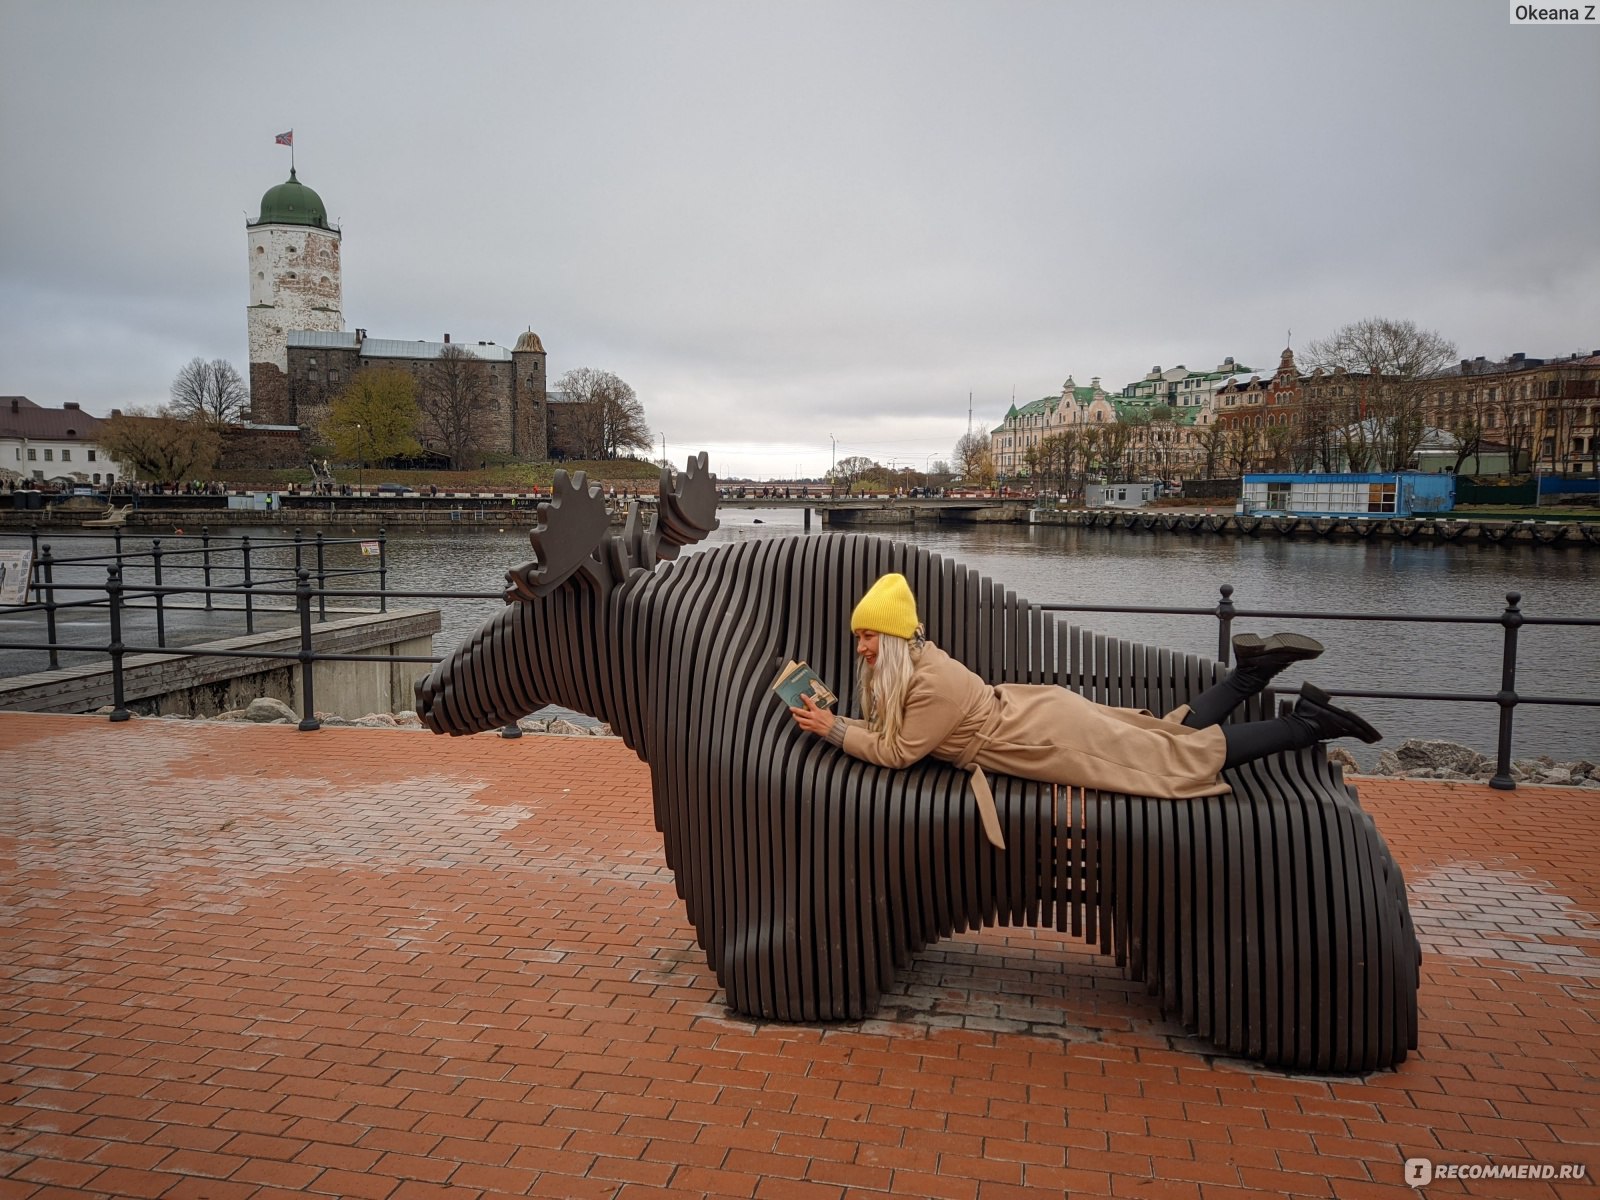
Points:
(251, 962)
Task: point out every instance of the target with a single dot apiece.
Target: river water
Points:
(1103, 566)
(1112, 567)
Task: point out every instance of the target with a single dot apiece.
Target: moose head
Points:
(549, 644)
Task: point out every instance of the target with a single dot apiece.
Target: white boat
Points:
(112, 518)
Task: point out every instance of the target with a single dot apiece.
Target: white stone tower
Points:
(294, 284)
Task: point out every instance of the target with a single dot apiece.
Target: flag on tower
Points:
(285, 139)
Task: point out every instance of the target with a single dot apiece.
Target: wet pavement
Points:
(247, 962)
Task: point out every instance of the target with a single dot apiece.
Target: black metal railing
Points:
(117, 596)
(206, 557)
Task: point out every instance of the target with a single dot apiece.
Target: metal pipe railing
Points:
(119, 596)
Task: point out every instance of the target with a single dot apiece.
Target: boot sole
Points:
(1364, 731)
(1295, 646)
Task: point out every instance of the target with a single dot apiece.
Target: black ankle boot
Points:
(1314, 719)
(1316, 709)
(1257, 660)
(1264, 657)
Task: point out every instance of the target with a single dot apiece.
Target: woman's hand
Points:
(813, 719)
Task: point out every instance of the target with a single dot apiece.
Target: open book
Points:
(796, 680)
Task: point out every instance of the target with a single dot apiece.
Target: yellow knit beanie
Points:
(888, 607)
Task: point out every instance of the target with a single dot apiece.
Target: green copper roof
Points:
(292, 203)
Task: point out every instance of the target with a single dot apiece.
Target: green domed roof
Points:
(292, 203)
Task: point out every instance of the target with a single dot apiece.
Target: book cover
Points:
(796, 680)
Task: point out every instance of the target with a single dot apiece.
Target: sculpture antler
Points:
(572, 524)
(688, 509)
(573, 531)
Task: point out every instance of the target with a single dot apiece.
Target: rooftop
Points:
(249, 962)
(307, 339)
(22, 418)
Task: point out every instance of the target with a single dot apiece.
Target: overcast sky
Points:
(785, 221)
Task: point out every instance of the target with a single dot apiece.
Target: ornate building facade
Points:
(1024, 428)
(1547, 409)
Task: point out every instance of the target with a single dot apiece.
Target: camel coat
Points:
(1041, 732)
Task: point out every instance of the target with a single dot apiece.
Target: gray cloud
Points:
(781, 222)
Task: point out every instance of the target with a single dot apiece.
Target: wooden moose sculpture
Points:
(1272, 921)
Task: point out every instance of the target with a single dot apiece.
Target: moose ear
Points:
(570, 526)
(688, 510)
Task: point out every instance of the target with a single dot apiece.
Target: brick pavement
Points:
(245, 962)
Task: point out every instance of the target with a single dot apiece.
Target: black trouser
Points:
(1212, 706)
(1253, 739)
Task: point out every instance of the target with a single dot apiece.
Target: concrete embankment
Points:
(1434, 529)
(373, 514)
(1431, 529)
(193, 684)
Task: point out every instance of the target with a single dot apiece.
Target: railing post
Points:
(308, 703)
(297, 549)
(161, 608)
(205, 559)
(383, 569)
(322, 581)
(119, 708)
(1225, 612)
(47, 570)
(116, 543)
(1506, 698)
(249, 596)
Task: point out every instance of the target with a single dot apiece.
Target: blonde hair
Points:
(882, 688)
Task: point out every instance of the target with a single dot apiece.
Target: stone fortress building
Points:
(302, 357)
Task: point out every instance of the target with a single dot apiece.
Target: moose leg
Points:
(806, 939)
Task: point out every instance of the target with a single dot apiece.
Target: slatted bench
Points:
(1271, 921)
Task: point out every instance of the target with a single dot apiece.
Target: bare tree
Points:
(457, 406)
(160, 446)
(1212, 440)
(209, 391)
(1242, 448)
(609, 418)
(1514, 426)
(1464, 414)
(1107, 449)
(1054, 462)
(1397, 360)
(847, 472)
(1561, 418)
(973, 459)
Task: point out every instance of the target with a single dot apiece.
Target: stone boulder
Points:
(1342, 758)
(1420, 754)
(264, 709)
